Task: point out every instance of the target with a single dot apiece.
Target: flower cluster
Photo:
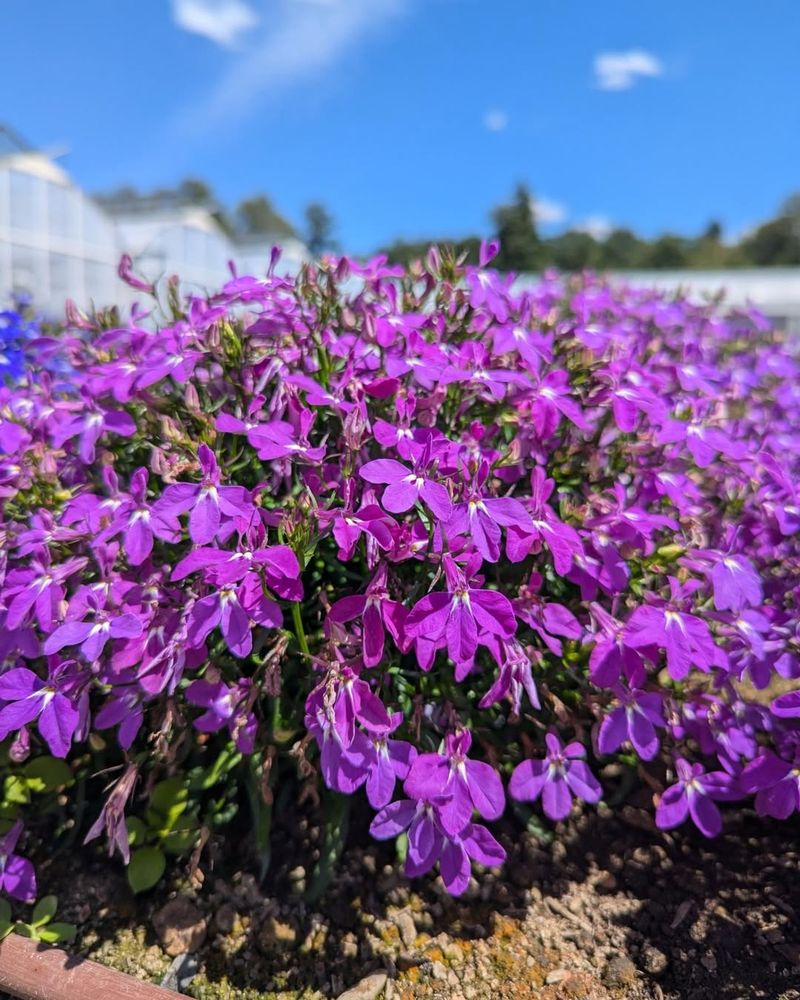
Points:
(438, 534)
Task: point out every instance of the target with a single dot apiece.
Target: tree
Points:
(319, 235)
(520, 246)
(667, 252)
(573, 251)
(622, 250)
(256, 216)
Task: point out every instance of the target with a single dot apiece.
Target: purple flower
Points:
(736, 583)
(405, 487)
(392, 760)
(481, 518)
(694, 794)
(562, 774)
(27, 698)
(225, 706)
(634, 720)
(684, 637)
(93, 635)
(141, 523)
(207, 501)
(17, 875)
(458, 783)
(377, 614)
(233, 608)
(776, 784)
(458, 618)
(90, 426)
(428, 843)
(112, 815)
(544, 527)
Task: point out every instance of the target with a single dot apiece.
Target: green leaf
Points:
(179, 841)
(44, 911)
(45, 774)
(337, 822)
(15, 789)
(166, 795)
(6, 927)
(5, 911)
(58, 932)
(137, 831)
(146, 867)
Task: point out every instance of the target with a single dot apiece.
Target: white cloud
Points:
(300, 40)
(496, 120)
(547, 212)
(598, 226)
(620, 70)
(221, 21)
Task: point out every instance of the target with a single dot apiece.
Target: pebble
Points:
(180, 926)
(654, 961)
(370, 988)
(619, 971)
(438, 970)
(407, 928)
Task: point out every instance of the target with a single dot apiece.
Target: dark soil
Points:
(609, 908)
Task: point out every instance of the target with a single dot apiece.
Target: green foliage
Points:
(41, 926)
(146, 868)
(515, 226)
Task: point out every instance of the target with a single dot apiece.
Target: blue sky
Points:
(413, 118)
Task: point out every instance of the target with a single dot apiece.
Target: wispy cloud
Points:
(547, 212)
(621, 70)
(221, 21)
(598, 226)
(300, 40)
(495, 120)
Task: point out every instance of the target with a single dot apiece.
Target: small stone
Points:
(405, 961)
(556, 976)
(654, 961)
(180, 926)
(370, 988)
(709, 961)
(619, 971)
(408, 929)
(276, 935)
(225, 918)
(297, 876)
(438, 970)
(607, 882)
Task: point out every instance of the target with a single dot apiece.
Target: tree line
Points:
(774, 243)
(522, 248)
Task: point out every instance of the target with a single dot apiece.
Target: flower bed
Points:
(428, 535)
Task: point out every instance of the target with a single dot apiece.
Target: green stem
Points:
(299, 631)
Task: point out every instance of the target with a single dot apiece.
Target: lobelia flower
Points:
(406, 487)
(481, 518)
(141, 523)
(112, 815)
(93, 635)
(695, 794)
(225, 706)
(39, 589)
(457, 783)
(17, 875)
(28, 698)
(459, 618)
(429, 843)
(378, 614)
(736, 584)
(685, 638)
(392, 760)
(90, 426)
(775, 782)
(634, 720)
(514, 677)
(232, 608)
(544, 527)
(612, 656)
(562, 774)
(208, 501)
